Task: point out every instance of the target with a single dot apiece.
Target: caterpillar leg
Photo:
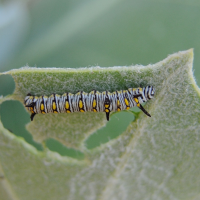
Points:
(32, 116)
(107, 115)
(107, 106)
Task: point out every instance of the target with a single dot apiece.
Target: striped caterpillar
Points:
(94, 101)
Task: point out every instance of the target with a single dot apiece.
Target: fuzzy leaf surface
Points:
(155, 158)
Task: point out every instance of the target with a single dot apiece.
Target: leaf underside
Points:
(155, 158)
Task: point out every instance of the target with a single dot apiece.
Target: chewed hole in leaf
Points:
(56, 146)
(115, 127)
(14, 117)
(7, 85)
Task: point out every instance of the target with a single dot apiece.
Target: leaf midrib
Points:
(133, 141)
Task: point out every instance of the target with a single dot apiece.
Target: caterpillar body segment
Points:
(94, 101)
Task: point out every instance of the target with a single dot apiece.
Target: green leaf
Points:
(155, 158)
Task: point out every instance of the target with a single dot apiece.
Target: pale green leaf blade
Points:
(155, 158)
(70, 129)
(6, 192)
(45, 81)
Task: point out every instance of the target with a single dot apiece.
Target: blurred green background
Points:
(68, 33)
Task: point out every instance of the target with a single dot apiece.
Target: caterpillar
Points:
(94, 101)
